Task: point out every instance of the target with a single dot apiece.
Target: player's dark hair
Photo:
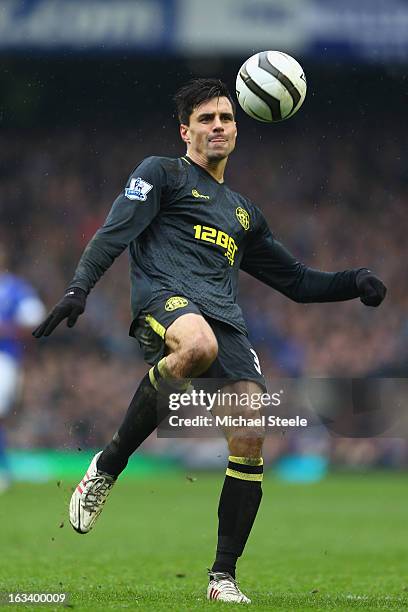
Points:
(197, 91)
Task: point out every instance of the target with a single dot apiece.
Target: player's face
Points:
(212, 131)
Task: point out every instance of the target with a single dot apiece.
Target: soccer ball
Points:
(271, 86)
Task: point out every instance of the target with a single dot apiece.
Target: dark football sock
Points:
(238, 506)
(147, 409)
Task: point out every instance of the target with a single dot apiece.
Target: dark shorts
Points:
(236, 358)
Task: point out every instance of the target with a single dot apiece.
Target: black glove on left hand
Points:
(71, 306)
(371, 289)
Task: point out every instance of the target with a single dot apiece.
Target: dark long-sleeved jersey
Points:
(190, 235)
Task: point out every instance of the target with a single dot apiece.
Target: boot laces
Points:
(231, 587)
(97, 491)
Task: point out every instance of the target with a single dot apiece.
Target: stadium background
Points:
(85, 93)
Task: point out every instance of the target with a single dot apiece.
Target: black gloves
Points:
(71, 306)
(370, 288)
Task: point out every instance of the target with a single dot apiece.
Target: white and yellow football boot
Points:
(223, 587)
(89, 497)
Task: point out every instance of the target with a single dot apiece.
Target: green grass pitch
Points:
(337, 545)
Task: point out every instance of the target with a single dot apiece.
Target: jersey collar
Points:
(193, 163)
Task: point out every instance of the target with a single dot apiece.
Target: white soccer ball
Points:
(271, 86)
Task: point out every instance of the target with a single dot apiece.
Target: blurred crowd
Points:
(337, 198)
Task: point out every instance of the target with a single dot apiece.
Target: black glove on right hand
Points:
(71, 306)
(371, 289)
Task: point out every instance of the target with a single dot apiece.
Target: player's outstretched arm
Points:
(270, 262)
(70, 307)
(132, 211)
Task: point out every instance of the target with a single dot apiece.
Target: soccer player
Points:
(188, 235)
(20, 309)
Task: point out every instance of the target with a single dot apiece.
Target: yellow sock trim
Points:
(179, 385)
(246, 460)
(152, 378)
(242, 476)
(163, 369)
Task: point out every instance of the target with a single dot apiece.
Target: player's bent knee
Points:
(193, 344)
(201, 350)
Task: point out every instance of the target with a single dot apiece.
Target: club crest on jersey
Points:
(138, 189)
(175, 302)
(242, 217)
